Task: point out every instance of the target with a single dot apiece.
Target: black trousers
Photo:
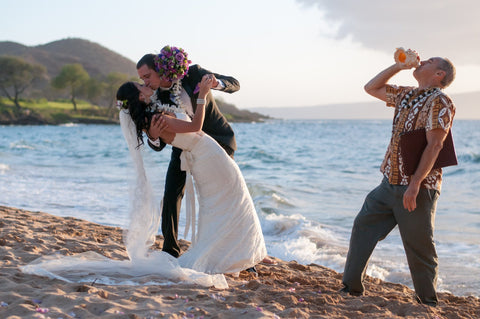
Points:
(172, 199)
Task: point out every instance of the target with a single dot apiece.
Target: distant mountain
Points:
(467, 104)
(362, 110)
(97, 60)
(233, 114)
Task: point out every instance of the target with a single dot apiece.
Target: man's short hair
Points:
(148, 60)
(447, 66)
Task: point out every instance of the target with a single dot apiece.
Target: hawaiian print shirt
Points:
(431, 112)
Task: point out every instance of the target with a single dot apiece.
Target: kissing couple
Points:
(175, 106)
(182, 112)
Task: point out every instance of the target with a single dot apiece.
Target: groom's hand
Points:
(158, 129)
(213, 80)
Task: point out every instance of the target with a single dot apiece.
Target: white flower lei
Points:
(157, 106)
(177, 87)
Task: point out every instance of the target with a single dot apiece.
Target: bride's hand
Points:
(208, 82)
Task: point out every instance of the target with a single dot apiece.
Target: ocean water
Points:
(308, 180)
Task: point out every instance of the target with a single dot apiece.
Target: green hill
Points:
(97, 60)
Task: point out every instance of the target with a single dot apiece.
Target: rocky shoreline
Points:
(26, 117)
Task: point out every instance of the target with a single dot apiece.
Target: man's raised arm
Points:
(377, 86)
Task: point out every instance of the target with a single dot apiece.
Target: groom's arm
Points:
(227, 84)
(158, 137)
(156, 145)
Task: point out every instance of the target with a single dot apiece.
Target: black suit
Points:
(215, 125)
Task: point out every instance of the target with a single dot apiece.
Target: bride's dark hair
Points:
(128, 94)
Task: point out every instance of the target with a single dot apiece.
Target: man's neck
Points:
(428, 85)
(165, 85)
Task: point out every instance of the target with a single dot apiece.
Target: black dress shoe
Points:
(252, 270)
(432, 303)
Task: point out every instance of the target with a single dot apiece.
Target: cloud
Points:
(449, 28)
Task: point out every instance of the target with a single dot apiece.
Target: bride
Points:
(229, 237)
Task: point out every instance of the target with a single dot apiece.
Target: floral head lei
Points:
(122, 104)
(172, 63)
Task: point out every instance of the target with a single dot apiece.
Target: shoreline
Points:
(285, 290)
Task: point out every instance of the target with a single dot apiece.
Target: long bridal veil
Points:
(144, 266)
(144, 213)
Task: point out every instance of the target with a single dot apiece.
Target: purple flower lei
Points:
(172, 63)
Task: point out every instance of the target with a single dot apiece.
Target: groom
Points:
(215, 125)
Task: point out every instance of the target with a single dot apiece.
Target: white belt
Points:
(186, 159)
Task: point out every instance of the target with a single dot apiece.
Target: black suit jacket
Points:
(215, 124)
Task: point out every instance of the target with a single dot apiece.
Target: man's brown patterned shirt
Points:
(431, 112)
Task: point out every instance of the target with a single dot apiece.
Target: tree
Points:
(74, 77)
(93, 89)
(16, 75)
(112, 83)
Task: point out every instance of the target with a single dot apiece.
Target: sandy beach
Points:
(285, 290)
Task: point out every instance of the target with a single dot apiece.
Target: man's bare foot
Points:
(269, 261)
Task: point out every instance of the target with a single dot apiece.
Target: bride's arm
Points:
(179, 126)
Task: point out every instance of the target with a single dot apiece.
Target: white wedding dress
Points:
(228, 237)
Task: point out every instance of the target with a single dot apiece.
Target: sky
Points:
(284, 52)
